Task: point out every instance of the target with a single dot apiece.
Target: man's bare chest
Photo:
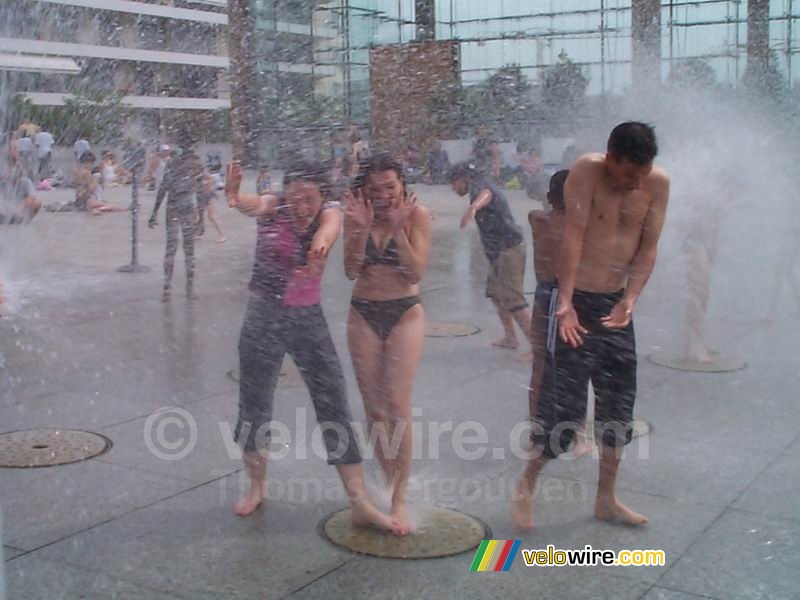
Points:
(614, 212)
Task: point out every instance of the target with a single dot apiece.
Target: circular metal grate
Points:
(49, 447)
(718, 363)
(445, 329)
(443, 532)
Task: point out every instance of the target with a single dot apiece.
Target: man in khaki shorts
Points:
(504, 247)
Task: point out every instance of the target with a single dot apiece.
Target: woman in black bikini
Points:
(387, 240)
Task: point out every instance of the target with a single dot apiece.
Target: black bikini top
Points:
(390, 256)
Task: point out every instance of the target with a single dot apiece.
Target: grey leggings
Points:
(271, 330)
(180, 217)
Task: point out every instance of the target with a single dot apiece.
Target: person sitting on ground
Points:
(85, 184)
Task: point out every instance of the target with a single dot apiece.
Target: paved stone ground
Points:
(87, 347)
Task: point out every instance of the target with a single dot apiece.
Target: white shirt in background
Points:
(24, 145)
(44, 141)
(80, 147)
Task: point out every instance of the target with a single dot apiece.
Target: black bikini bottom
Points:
(383, 315)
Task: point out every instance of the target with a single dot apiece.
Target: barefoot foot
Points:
(506, 342)
(614, 510)
(365, 514)
(221, 240)
(525, 358)
(522, 508)
(401, 517)
(249, 502)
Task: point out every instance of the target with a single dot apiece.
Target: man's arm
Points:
(645, 259)
(483, 199)
(578, 194)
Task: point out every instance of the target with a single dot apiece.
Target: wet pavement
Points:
(88, 348)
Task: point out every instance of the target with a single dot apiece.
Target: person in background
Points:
(26, 154)
(264, 180)
(86, 188)
(80, 146)
(486, 154)
(437, 164)
(18, 203)
(44, 145)
(503, 245)
(181, 181)
(205, 204)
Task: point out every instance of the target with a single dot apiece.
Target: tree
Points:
(764, 79)
(95, 114)
(694, 73)
(504, 101)
(564, 86)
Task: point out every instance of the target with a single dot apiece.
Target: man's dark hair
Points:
(307, 172)
(378, 163)
(87, 158)
(633, 141)
(556, 193)
(462, 169)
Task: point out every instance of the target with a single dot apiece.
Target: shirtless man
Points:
(615, 207)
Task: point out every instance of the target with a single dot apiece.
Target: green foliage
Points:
(99, 116)
(764, 79)
(503, 101)
(692, 73)
(564, 85)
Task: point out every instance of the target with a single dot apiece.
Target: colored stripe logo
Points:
(495, 555)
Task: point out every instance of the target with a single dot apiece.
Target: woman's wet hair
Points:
(555, 195)
(307, 172)
(87, 158)
(378, 163)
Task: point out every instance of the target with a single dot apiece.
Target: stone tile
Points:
(450, 578)
(273, 552)
(660, 593)
(87, 411)
(35, 578)
(192, 448)
(775, 492)
(9, 552)
(742, 555)
(47, 504)
(674, 467)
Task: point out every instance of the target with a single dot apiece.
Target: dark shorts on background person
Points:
(607, 358)
(541, 309)
(504, 285)
(270, 331)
